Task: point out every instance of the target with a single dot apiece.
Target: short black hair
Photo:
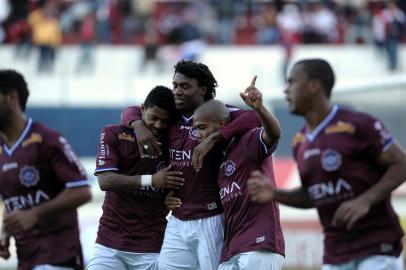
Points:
(162, 97)
(11, 80)
(319, 69)
(201, 73)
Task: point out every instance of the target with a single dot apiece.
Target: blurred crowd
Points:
(49, 23)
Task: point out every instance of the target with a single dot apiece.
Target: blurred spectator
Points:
(103, 14)
(87, 39)
(18, 31)
(268, 33)
(320, 24)
(4, 12)
(355, 25)
(225, 15)
(215, 22)
(290, 23)
(394, 29)
(151, 47)
(46, 34)
(378, 28)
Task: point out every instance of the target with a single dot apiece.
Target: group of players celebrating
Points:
(211, 165)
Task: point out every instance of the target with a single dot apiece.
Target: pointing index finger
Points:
(253, 80)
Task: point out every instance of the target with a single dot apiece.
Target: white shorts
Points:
(377, 262)
(105, 258)
(50, 267)
(192, 244)
(258, 260)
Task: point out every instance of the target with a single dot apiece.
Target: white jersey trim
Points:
(266, 148)
(20, 139)
(187, 119)
(312, 135)
(105, 169)
(388, 145)
(79, 183)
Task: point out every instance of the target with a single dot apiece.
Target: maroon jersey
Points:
(199, 194)
(337, 163)
(39, 166)
(132, 221)
(249, 226)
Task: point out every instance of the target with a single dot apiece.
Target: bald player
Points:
(194, 234)
(253, 237)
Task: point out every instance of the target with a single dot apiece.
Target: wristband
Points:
(146, 180)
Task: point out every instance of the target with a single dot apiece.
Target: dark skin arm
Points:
(19, 221)
(111, 181)
(4, 243)
(349, 212)
(253, 98)
(264, 191)
(145, 137)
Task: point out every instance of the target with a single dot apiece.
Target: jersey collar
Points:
(312, 135)
(27, 128)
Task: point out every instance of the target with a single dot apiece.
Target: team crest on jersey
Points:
(330, 160)
(29, 176)
(229, 167)
(193, 133)
(34, 138)
(340, 127)
(126, 137)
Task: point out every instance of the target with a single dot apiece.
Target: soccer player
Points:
(349, 164)
(41, 185)
(194, 234)
(253, 236)
(133, 223)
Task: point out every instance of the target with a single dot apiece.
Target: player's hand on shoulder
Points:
(172, 202)
(252, 96)
(260, 189)
(201, 151)
(148, 145)
(20, 221)
(349, 212)
(166, 178)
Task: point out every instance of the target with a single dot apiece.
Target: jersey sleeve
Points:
(255, 147)
(373, 137)
(241, 122)
(132, 113)
(107, 154)
(66, 165)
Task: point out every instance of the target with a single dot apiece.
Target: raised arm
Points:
(147, 142)
(253, 98)
(263, 191)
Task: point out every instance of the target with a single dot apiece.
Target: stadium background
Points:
(98, 72)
